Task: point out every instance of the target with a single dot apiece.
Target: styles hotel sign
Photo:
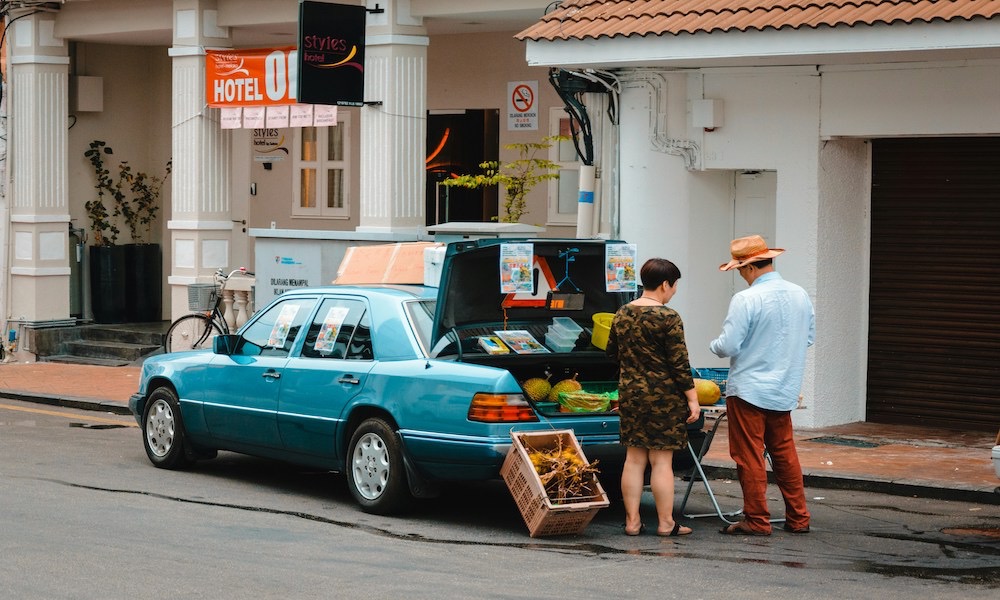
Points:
(331, 57)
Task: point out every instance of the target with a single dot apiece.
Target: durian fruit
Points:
(537, 388)
(566, 385)
(708, 391)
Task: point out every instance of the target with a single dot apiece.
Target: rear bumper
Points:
(446, 457)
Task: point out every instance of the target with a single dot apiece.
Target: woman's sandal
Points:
(676, 531)
(640, 531)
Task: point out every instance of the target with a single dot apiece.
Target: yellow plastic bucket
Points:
(602, 328)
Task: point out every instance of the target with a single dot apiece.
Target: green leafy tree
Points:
(134, 198)
(517, 177)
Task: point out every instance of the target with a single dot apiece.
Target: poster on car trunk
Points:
(619, 261)
(515, 268)
(331, 53)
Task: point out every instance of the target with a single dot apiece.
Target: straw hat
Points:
(746, 250)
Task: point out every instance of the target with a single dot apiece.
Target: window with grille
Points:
(321, 186)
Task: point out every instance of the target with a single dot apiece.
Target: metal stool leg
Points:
(701, 474)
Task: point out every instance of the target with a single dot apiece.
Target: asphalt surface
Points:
(893, 459)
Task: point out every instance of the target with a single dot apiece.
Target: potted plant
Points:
(517, 177)
(143, 259)
(126, 280)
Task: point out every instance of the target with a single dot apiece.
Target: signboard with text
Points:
(331, 53)
(522, 106)
(250, 77)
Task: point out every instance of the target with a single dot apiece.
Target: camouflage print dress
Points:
(647, 342)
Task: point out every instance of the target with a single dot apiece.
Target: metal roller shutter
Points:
(934, 325)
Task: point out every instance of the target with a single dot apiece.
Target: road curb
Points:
(892, 488)
(69, 402)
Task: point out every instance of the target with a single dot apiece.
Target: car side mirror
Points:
(225, 344)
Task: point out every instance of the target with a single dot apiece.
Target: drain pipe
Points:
(656, 83)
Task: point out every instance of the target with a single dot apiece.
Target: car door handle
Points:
(349, 379)
(271, 374)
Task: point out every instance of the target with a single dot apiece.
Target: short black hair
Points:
(764, 262)
(657, 270)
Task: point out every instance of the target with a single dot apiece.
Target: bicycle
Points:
(196, 330)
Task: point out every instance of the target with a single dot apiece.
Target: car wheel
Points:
(163, 430)
(375, 472)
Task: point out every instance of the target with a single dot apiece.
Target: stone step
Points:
(130, 336)
(108, 349)
(82, 360)
(109, 345)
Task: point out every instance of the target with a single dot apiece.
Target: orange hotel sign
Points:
(251, 77)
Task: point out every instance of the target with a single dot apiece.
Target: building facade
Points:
(861, 137)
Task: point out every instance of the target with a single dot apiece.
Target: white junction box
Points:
(433, 260)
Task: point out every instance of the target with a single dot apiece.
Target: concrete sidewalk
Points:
(894, 459)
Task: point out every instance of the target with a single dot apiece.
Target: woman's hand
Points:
(693, 405)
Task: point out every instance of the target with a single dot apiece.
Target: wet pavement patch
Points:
(842, 441)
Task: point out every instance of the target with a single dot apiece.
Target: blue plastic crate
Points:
(716, 374)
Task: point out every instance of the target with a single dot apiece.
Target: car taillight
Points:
(500, 408)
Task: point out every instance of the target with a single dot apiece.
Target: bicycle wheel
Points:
(190, 332)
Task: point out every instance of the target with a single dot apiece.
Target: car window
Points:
(421, 314)
(274, 332)
(339, 330)
(360, 347)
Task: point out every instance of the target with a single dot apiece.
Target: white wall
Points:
(956, 98)
(811, 126)
(841, 302)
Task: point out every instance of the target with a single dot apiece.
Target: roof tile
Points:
(582, 19)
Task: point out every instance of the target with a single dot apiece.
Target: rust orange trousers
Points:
(753, 430)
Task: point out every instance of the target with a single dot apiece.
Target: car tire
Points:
(376, 474)
(163, 430)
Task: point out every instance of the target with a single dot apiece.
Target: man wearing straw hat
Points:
(765, 335)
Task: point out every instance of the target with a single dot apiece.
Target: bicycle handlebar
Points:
(220, 274)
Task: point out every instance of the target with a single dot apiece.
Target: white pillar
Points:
(394, 132)
(585, 202)
(37, 197)
(201, 227)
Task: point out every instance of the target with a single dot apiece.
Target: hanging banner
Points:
(332, 53)
(254, 77)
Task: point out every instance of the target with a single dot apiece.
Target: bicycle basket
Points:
(202, 296)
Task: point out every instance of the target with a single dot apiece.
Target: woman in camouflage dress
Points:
(656, 394)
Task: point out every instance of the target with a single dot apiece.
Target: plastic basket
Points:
(202, 296)
(540, 514)
(718, 375)
(599, 387)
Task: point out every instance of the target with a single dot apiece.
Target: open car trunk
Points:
(476, 322)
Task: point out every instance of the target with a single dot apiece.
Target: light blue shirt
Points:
(765, 335)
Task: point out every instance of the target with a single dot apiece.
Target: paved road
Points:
(86, 516)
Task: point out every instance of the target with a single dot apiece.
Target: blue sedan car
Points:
(390, 384)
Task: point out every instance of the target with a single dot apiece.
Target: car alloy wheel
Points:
(160, 428)
(163, 430)
(376, 473)
(371, 466)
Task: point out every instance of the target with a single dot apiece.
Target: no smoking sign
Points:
(522, 112)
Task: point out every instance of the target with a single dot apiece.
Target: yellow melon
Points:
(708, 391)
